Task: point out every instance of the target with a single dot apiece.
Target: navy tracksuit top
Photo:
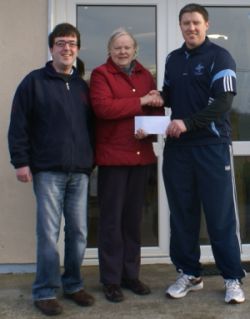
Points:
(193, 78)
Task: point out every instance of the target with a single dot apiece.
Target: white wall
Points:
(23, 47)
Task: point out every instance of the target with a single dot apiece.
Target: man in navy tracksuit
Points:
(199, 86)
(50, 144)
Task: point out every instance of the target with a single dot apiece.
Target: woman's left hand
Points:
(140, 134)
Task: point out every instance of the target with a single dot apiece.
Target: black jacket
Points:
(50, 126)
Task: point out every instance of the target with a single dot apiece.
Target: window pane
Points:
(150, 211)
(242, 179)
(96, 23)
(242, 175)
(235, 38)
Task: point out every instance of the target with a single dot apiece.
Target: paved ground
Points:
(16, 302)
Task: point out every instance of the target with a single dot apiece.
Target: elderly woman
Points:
(120, 90)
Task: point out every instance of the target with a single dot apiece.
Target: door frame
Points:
(65, 10)
(168, 38)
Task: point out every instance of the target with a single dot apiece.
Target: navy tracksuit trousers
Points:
(195, 177)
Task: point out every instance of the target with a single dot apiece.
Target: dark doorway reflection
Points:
(150, 211)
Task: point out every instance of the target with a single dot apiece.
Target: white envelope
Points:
(152, 124)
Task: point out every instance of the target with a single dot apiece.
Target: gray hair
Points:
(119, 32)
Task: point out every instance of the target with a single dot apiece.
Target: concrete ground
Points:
(16, 302)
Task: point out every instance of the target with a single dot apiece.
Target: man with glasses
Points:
(50, 144)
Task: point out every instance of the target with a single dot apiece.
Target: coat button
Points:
(138, 153)
(133, 90)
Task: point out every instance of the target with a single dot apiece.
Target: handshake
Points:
(153, 98)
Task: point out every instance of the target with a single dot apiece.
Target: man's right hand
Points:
(23, 174)
(153, 98)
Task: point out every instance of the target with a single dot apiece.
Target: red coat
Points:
(115, 98)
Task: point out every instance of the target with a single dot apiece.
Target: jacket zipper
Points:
(71, 146)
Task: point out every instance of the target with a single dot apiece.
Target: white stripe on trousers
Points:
(235, 197)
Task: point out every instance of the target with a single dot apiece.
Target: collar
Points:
(52, 72)
(113, 68)
(200, 49)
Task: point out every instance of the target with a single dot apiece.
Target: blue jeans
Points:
(56, 194)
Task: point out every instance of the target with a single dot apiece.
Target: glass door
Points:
(96, 20)
(229, 27)
(96, 23)
(155, 22)
(235, 38)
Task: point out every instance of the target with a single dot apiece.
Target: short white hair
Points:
(119, 32)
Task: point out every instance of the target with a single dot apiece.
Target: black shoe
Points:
(49, 307)
(136, 286)
(113, 293)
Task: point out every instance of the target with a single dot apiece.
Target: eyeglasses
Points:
(62, 44)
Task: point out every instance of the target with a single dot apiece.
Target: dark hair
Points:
(194, 7)
(64, 29)
(80, 67)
